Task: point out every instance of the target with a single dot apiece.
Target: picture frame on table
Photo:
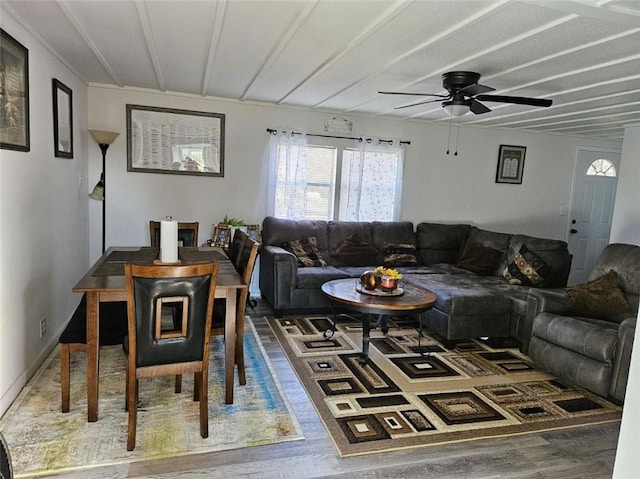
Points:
(510, 164)
(221, 235)
(253, 231)
(62, 119)
(176, 142)
(14, 94)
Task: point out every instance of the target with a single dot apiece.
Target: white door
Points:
(594, 193)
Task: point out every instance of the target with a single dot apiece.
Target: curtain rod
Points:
(273, 131)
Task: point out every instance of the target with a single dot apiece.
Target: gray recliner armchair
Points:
(590, 352)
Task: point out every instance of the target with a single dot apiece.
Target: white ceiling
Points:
(335, 55)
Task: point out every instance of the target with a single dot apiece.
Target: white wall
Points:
(43, 213)
(626, 229)
(437, 187)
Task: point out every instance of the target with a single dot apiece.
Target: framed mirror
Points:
(62, 120)
(179, 142)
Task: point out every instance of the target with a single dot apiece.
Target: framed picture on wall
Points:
(62, 120)
(14, 94)
(179, 142)
(510, 164)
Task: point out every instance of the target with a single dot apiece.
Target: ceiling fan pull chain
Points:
(449, 138)
(457, 135)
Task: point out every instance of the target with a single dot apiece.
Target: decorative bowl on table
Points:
(387, 283)
(369, 280)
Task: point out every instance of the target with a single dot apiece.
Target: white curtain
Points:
(371, 184)
(288, 175)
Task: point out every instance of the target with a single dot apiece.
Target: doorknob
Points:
(573, 231)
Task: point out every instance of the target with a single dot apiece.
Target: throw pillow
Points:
(601, 298)
(355, 252)
(399, 254)
(306, 250)
(526, 268)
(479, 258)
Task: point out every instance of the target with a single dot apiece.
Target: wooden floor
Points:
(585, 452)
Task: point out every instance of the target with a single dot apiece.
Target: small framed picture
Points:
(254, 233)
(510, 164)
(221, 235)
(62, 120)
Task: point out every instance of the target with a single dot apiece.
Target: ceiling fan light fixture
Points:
(456, 108)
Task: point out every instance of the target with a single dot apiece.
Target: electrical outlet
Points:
(43, 326)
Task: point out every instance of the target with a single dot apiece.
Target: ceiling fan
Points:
(465, 94)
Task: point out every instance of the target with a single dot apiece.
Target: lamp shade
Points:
(104, 137)
(98, 191)
(456, 108)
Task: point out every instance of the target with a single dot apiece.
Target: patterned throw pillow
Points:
(352, 251)
(399, 254)
(526, 268)
(601, 298)
(479, 258)
(306, 250)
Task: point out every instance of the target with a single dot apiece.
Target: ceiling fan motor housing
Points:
(455, 81)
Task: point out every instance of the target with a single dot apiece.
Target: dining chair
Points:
(247, 256)
(187, 233)
(113, 329)
(154, 350)
(235, 248)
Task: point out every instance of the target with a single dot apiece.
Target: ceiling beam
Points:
(143, 15)
(77, 24)
(221, 8)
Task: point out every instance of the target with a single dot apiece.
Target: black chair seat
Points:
(113, 324)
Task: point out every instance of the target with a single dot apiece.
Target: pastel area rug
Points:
(44, 440)
(403, 398)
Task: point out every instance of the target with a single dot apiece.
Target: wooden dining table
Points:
(105, 282)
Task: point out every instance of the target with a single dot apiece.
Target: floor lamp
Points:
(104, 139)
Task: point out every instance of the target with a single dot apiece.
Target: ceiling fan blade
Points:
(419, 103)
(475, 89)
(478, 108)
(414, 94)
(519, 100)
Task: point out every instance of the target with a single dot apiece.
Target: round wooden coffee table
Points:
(343, 293)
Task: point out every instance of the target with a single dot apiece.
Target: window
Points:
(335, 180)
(601, 167)
(305, 182)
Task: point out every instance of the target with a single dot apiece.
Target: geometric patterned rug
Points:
(416, 393)
(43, 440)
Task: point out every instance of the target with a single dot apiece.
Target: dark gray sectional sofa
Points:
(469, 304)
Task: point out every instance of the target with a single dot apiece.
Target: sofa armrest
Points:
(622, 361)
(538, 301)
(278, 276)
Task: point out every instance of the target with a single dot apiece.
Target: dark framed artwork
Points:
(62, 120)
(510, 164)
(179, 142)
(14, 94)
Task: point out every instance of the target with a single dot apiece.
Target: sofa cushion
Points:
(399, 254)
(596, 340)
(499, 241)
(315, 277)
(392, 232)
(526, 268)
(479, 258)
(352, 251)
(601, 298)
(440, 243)
(554, 253)
(306, 250)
